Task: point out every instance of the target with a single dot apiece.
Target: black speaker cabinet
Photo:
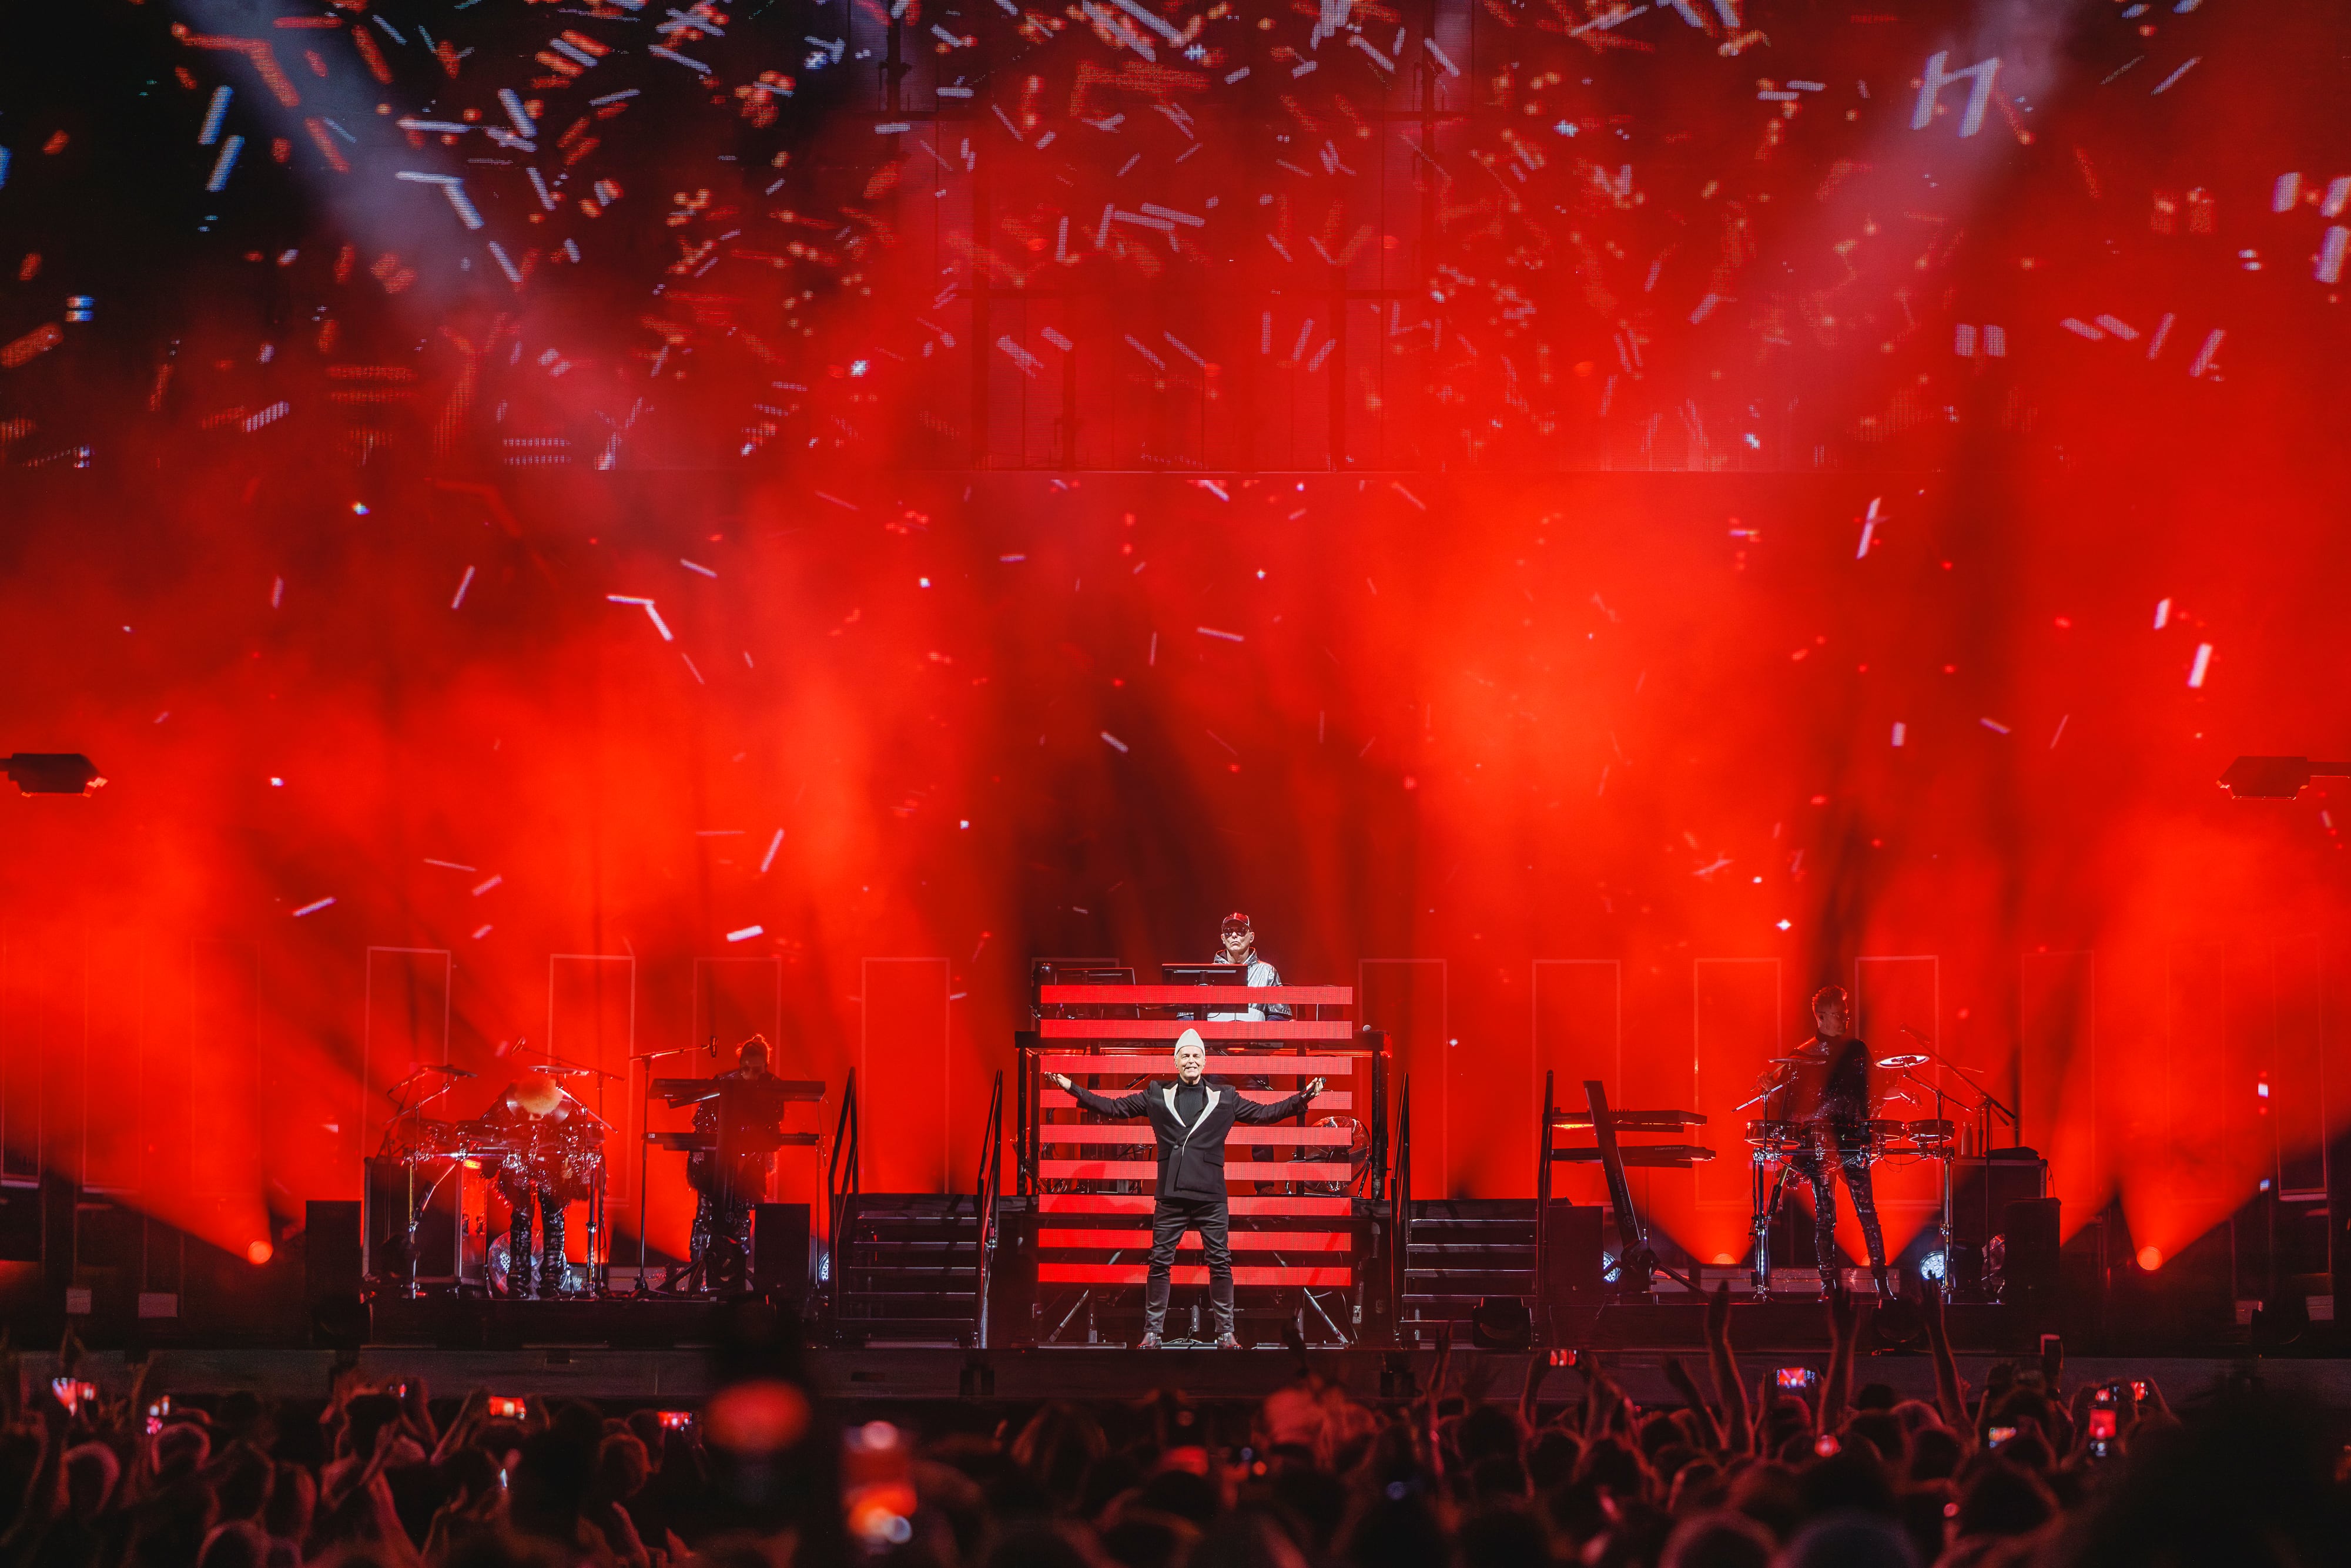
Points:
(779, 1253)
(331, 1256)
(2029, 1226)
(384, 1254)
(1572, 1252)
(1981, 1190)
(1012, 1276)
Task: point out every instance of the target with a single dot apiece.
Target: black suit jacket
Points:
(1191, 1159)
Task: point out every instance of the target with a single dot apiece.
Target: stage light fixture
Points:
(53, 773)
(2276, 777)
(1502, 1323)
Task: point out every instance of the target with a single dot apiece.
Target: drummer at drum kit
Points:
(1817, 1105)
(546, 1158)
(541, 1145)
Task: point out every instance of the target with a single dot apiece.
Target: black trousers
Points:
(551, 1264)
(1175, 1216)
(1849, 1146)
(715, 1217)
(723, 1209)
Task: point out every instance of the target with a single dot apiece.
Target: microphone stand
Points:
(1766, 1209)
(401, 1110)
(644, 1144)
(1985, 1103)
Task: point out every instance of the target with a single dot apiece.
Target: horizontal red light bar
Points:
(1143, 1170)
(1140, 1133)
(1133, 1274)
(1091, 1203)
(1320, 1065)
(1329, 1100)
(1212, 1031)
(1198, 996)
(1241, 1241)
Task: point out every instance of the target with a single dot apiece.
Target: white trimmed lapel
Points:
(1169, 1090)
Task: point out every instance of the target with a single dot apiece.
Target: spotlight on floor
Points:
(53, 773)
(1502, 1323)
(1900, 1323)
(2276, 777)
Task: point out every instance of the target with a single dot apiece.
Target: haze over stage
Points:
(599, 531)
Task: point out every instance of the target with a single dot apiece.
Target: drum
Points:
(1359, 1153)
(578, 1157)
(1777, 1137)
(1933, 1135)
(438, 1140)
(1877, 1134)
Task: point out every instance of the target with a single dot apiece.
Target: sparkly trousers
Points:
(519, 1256)
(1848, 1144)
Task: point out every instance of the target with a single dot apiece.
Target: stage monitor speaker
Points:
(779, 1253)
(2030, 1230)
(1572, 1252)
(1981, 1190)
(385, 1253)
(331, 1273)
(20, 1222)
(1012, 1276)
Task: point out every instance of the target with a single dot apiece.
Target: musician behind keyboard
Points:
(725, 1208)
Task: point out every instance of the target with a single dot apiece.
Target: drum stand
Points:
(1766, 1213)
(1942, 1157)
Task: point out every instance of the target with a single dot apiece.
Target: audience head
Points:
(1155, 1484)
(91, 1471)
(236, 1544)
(1718, 1538)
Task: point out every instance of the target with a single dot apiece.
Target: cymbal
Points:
(1792, 1061)
(555, 1070)
(1904, 1059)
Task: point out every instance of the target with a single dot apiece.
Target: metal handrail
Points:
(991, 1182)
(1542, 1204)
(838, 1192)
(1400, 1206)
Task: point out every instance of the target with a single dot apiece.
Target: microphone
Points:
(453, 1071)
(713, 1047)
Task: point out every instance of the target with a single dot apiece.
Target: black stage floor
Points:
(626, 1323)
(879, 1379)
(635, 1352)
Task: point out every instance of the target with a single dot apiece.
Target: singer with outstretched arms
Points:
(1191, 1117)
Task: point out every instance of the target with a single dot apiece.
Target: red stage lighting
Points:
(2150, 1258)
(259, 1252)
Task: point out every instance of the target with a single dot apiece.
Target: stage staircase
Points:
(1457, 1252)
(909, 1269)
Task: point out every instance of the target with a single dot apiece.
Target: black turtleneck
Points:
(1190, 1098)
